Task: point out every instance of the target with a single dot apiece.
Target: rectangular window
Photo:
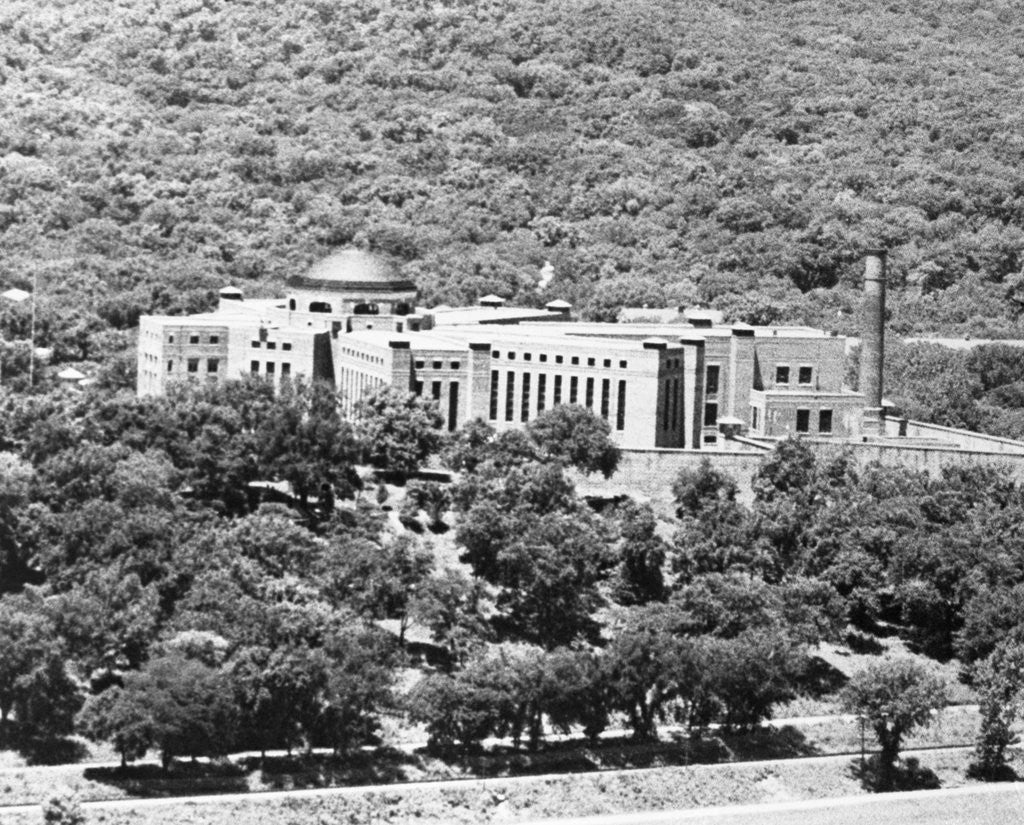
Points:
(574, 360)
(495, 354)
(271, 344)
(591, 362)
(510, 396)
(754, 418)
(710, 415)
(620, 411)
(675, 402)
(804, 375)
(803, 421)
(286, 347)
(418, 388)
(286, 369)
(574, 389)
(606, 397)
(212, 364)
(524, 407)
(623, 365)
(825, 421)
(435, 390)
(559, 359)
(455, 365)
(543, 358)
(214, 339)
(255, 344)
(420, 365)
(494, 395)
(436, 365)
(711, 382)
(590, 393)
(170, 366)
(170, 339)
(254, 367)
(270, 367)
(453, 405)
(193, 365)
(511, 356)
(557, 395)
(666, 413)
(542, 388)
(782, 375)
(527, 356)
(193, 339)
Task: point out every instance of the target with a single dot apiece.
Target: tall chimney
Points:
(872, 346)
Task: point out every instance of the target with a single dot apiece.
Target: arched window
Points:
(320, 306)
(365, 309)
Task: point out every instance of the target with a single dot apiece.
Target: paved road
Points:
(997, 804)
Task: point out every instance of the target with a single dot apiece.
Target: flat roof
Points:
(417, 340)
(487, 315)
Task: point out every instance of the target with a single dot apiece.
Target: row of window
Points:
(805, 374)
(437, 365)
(254, 368)
(192, 365)
(362, 356)
(453, 399)
(285, 345)
(196, 339)
(556, 398)
(803, 420)
(574, 360)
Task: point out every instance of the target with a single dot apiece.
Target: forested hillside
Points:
(737, 152)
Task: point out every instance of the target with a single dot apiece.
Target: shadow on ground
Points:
(908, 775)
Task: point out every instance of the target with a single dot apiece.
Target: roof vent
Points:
(491, 301)
(558, 306)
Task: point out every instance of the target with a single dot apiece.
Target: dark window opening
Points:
(254, 367)
(271, 344)
(420, 365)
(402, 308)
(711, 382)
(435, 390)
(286, 347)
(542, 387)
(212, 364)
(825, 421)
(675, 402)
(623, 365)
(710, 415)
(782, 375)
(494, 395)
(803, 421)
(804, 375)
(543, 358)
(455, 365)
(754, 418)
(556, 397)
(574, 360)
(453, 405)
(510, 396)
(607, 362)
(193, 339)
(606, 398)
(214, 339)
(291, 304)
(574, 389)
(320, 306)
(511, 356)
(559, 359)
(418, 388)
(170, 366)
(365, 309)
(270, 367)
(524, 406)
(435, 365)
(667, 410)
(255, 344)
(193, 365)
(286, 369)
(591, 362)
(620, 412)
(527, 356)
(590, 393)
(170, 339)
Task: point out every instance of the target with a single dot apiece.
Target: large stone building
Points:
(352, 320)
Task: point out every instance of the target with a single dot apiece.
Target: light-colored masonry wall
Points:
(651, 472)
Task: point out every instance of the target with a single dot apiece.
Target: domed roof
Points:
(353, 270)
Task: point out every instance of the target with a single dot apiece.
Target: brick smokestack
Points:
(872, 346)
